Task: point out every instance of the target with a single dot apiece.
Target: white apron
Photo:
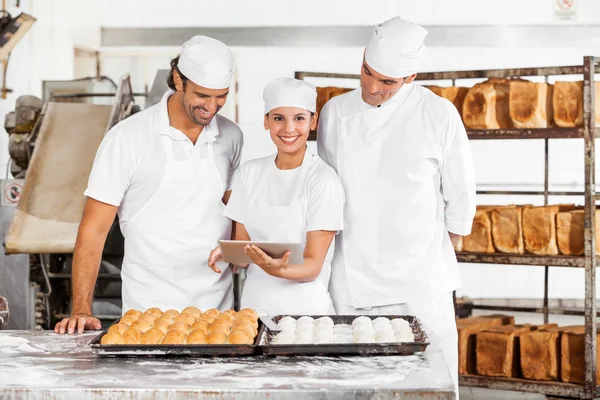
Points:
(168, 241)
(282, 224)
(394, 247)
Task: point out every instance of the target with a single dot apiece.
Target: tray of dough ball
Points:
(190, 332)
(344, 335)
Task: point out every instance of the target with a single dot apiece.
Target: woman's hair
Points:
(171, 79)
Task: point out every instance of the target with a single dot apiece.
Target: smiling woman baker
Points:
(290, 196)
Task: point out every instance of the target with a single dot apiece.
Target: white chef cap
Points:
(396, 48)
(207, 62)
(289, 92)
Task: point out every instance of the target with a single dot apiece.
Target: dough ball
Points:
(248, 319)
(127, 320)
(367, 329)
(246, 328)
(162, 326)
(132, 336)
(238, 337)
(364, 338)
(200, 325)
(153, 336)
(287, 324)
(399, 323)
(385, 336)
(342, 329)
(174, 337)
(188, 319)
(212, 312)
(142, 325)
(305, 321)
(404, 337)
(120, 328)
(157, 312)
(361, 321)
(284, 338)
(181, 326)
(193, 311)
(344, 339)
(133, 313)
(323, 337)
(324, 322)
(304, 330)
(250, 312)
(113, 337)
(381, 322)
(171, 312)
(196, 337)
(303, 339)
(216, 338)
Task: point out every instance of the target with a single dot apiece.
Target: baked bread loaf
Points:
(456, 95)
(540, 354)
(498, 350)
(480, 239)
(479, 107)
(569, 232)
(530, 104)
(507, 229)
(572, 365)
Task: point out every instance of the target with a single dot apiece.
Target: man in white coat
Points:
(403, 156)
(167, 172)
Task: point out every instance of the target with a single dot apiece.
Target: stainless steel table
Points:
(44, 365)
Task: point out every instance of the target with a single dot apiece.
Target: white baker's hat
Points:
(396, 48)
(289, 92)
(207, 62)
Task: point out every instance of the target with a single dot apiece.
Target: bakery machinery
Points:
(52, 144)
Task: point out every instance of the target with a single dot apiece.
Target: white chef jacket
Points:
(130, 162)
(418, 185)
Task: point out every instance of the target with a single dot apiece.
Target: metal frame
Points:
(588, 261)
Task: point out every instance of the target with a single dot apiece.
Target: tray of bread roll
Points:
(344, 335)
(190, 332)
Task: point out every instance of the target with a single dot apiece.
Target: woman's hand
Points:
(266, 263)
(214, 257)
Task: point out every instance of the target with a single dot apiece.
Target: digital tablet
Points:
(233, 251)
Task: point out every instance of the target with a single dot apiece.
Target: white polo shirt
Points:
(130, 162)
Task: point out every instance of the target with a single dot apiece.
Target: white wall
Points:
(47, 53)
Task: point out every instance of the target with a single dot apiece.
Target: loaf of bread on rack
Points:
(540, 353)
(567, 102)
(507, 229)
(455, 94)
(480, 239)
(539, 228)
(572, 355)
(467, 329)
(569, 232)
(479, 107)
(530, 104)
(502, 88)
(324, 94)
(498, 350)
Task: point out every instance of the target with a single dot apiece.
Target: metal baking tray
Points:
(364, 349)
(175, 350)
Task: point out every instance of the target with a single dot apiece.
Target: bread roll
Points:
(153, 336)
(238, 337)
(219, 327)
(216, 338)
(165, 319)
(147, 318)
(207, 318)
(248, 319)
(174, 337)
(212, 312)
(111, 337)
(154, 311)
(142, 325)
(164, 327)
(200, 325)
(133, 313)
(120, 328)
(245, 327)
(225, 317)
(127, 320)
(250, 312)
(172, 313)
(196, 337)
(132, 336)
(188, 319)
(180, 326)
(230, 311)
(193, 311)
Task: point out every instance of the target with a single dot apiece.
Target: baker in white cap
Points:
(290, 196)
(167, 172)
(403, 156)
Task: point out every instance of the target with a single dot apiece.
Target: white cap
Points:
(289, 92)
(207, 62)
(396, 48)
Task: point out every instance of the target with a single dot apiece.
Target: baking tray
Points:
(175, 350)
(364, 349)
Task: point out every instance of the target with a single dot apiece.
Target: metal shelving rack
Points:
(588, 132)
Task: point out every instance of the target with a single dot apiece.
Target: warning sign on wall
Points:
(11, 191)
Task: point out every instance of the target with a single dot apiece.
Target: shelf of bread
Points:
(493, 347)
(528, 235)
